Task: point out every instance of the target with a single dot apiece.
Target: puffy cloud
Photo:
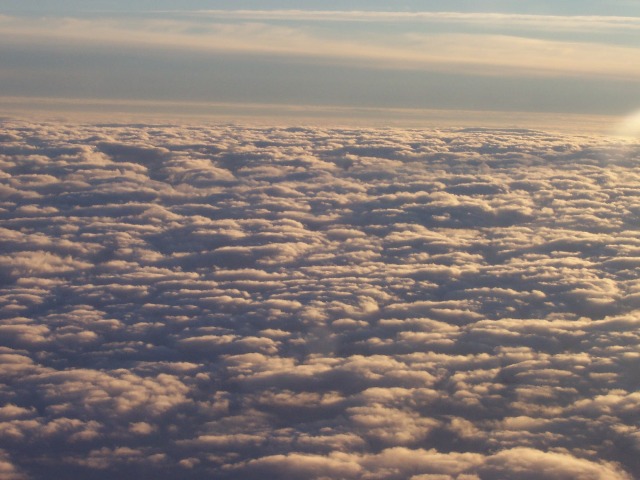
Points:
(228, 301)
(9, 471)
(524, 463)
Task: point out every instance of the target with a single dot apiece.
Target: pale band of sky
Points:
(255, 56)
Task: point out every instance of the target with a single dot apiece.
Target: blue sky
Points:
(552, 57)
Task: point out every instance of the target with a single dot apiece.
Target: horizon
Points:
(510, 57)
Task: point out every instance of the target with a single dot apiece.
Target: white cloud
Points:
(312, 303)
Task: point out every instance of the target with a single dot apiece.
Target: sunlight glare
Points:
(630, 126)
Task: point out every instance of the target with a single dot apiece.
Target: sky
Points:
(311, 240)
(210, 57)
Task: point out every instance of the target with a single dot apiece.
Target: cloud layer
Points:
(505, 44)
(233, 302)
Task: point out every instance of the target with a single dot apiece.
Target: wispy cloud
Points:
(584, 23)
(485, 54)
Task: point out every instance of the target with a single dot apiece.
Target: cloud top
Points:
(244, 302)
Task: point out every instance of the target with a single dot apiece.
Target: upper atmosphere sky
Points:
(571, 57)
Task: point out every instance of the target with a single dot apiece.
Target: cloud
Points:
(397, 463)
(8, 470)
(228, 301)
(549, 465)
(582, 22)
(496, 52)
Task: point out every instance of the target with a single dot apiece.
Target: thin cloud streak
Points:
(450, 52)
(553, 22)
